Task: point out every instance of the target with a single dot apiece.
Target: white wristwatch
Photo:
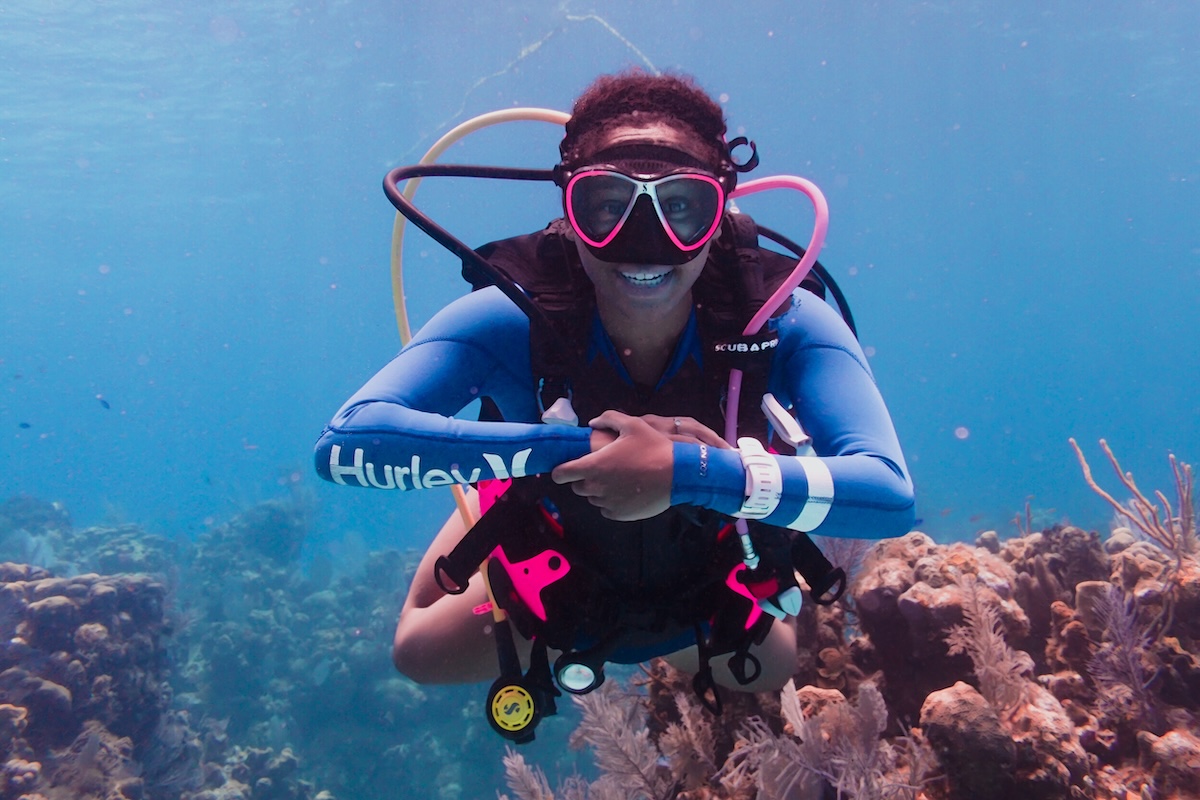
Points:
(764, 481)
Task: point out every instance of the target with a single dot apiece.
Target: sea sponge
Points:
(1175, 760)
(909, 596)
(976, 753)
(52, 622)
(13, 720)
(1070, 645)
(18, 777)
(51, 719)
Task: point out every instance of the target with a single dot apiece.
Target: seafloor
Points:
(1054, 664)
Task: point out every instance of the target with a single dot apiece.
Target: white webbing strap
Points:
(820, 494)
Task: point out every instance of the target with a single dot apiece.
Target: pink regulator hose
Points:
(820, 227)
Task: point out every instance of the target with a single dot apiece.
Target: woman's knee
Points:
(776, 658)
(406, 656)
(446, 642)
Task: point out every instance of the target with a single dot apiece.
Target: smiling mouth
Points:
(647, 277)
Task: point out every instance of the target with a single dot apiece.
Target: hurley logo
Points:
(386, 476)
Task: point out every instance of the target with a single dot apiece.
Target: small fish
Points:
(103, 402)
(25, 425)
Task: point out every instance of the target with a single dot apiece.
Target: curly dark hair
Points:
(634, 95)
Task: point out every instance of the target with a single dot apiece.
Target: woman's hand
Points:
(686, 429)
(629, 471)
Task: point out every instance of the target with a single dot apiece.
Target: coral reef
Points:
(1055, 664)
(82, 678)
(1049, 665)
(289, 658)
(222, 667)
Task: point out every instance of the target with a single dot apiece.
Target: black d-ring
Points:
(830, 589)
(737, 666)
(441, 568)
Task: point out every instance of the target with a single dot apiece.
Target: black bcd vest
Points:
(658, 569)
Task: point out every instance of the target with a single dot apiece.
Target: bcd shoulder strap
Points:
(544, 264)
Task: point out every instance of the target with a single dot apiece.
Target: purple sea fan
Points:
(613, 726)
(1001, 670)
(690, 744)
(841, 746)
(527, 782)
(1118, 668)
(621, 745)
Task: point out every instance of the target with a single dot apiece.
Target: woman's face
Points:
(635, 287)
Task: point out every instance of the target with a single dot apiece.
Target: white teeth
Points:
(646, 278)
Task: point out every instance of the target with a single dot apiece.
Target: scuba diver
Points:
(629, 506)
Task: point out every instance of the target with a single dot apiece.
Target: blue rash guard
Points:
(398, 431)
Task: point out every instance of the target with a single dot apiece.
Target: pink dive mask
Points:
(660, 217)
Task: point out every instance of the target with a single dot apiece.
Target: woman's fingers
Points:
(686, 429)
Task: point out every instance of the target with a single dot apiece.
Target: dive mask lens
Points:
(688, 205)
(598, 203)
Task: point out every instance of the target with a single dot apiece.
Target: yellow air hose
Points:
(410, 189)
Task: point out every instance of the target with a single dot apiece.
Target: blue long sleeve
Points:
(398, 431)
